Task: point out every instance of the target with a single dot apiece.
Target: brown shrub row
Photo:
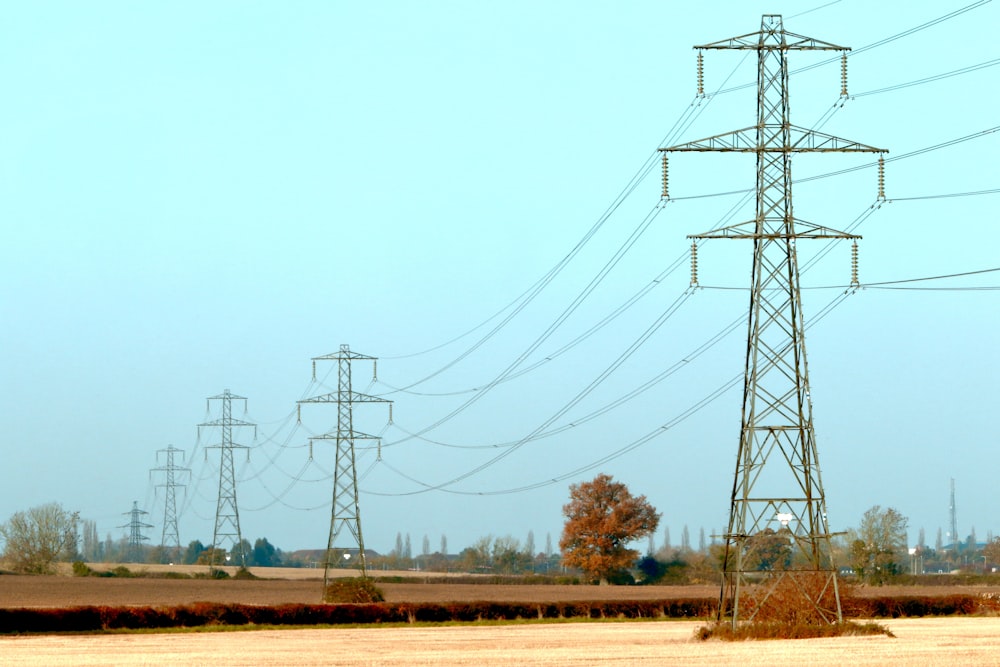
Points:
(94, 619)
(909, 606)
(91, 619)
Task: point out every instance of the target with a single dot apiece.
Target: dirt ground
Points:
(918, 643)
(294, 586)
(304, 586)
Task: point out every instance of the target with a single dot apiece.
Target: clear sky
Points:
(203, 196)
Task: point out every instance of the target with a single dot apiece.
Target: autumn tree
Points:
(602, 517)
(35, 539)
(992, 551)
(878, 545)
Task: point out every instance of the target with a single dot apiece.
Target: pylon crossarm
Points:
(343, 354)
(748, 230)
(227, 422)
(354, 435)
(756, 41)
(749, 140)
(348, 397)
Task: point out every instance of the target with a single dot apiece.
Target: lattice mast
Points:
(171, 472)
(953, 519)
(776, 503)
(227, 514)
(345, 511)
(135, 525)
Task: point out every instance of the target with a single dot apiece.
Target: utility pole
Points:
(135, 536)
(171, 536)
(227, 514)
(775, 503)
(345, 511)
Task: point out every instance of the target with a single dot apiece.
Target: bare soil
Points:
(64, 591)
(304, 586)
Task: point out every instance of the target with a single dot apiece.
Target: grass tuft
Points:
(758, 630)
(777, 630)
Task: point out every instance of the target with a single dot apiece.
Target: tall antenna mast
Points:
(171, 536)
(345, 511)
(227, 514)
(778, 502)
(953, 518)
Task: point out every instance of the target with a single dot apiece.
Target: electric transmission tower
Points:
(953, 518)
(345, 511)
(135, 537)
(227, 514)
(171, 536)
(777, 501)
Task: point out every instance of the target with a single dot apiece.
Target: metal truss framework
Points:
(345, 511)
(171, 536)
(778, 541)
(135, 537)
(227, 514)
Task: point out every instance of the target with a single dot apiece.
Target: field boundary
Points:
(201, 614)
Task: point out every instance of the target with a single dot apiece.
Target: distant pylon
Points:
(953, 519)
(777, 508)
(227, 514)
(345, 511)
(171, 536)
(135, 525)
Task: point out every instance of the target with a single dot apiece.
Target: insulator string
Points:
(701, 74)
(843, 74)
(694, 264)
(666, 190)
(854, 265)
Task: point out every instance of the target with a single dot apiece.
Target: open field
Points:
(918, 642)
(921, 641)
(303, 586)
(64, 591)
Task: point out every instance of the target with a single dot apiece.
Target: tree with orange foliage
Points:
(602, 517)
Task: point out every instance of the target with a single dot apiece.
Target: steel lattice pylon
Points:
(171, 536)
(227, 514)
(778, 540)
(135, 537)
(345, 511)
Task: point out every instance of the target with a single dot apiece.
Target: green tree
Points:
(91, 542)
(35, 539)
(264, 554)
(478, 557)
(212, 556)
(193, 551)
(878, 545)
(602, 518)
(508, 557)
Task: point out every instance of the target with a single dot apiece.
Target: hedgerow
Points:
(198, 614)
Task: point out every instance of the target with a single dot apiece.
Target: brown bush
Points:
(781, 630)
(355, 590)
(791, 597)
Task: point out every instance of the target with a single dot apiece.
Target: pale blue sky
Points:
(200, 196)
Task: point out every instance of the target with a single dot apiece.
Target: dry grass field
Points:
(918, 643)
